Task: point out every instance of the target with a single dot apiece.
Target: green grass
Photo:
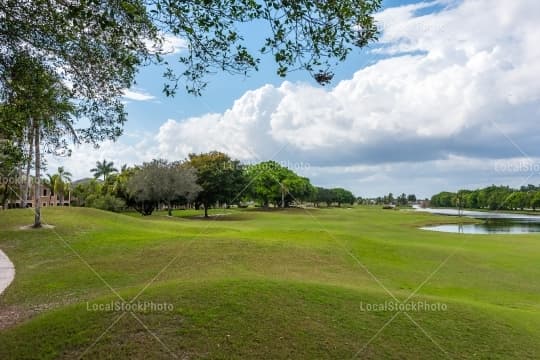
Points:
(274, 284)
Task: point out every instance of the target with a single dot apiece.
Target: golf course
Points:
(342, 283)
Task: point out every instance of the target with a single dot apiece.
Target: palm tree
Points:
(63, 178)
(49, 111)
(67, 189)
(103, 168)
(63, 174)
(59, 184)
(50, 182)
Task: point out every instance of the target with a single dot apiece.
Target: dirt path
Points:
(7, 271)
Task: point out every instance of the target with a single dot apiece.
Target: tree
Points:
(518, 200)
(443, 199)
(179, 183)
(85, 192)
(37, 94)
(58, 184)
(100, 44)
(535, 200)
(491, 197)
(50, 182)
(411, 198)
(271, 182)
(120, 187)
(342, 196)
(325, 196)
(103, 168)
(264, 182)
(82, 55)
(94, 45)
(61, 183)
(159, 181)
(221, 178)
(471, 200)
(298, 189)
(12, 154)
(402, 199)
(304, 34)
(11, 158)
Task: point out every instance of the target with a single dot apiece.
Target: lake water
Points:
(494, 222)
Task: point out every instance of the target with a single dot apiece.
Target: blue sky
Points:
(223, 88)
(448, 98)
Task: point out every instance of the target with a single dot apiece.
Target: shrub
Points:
(107, 202)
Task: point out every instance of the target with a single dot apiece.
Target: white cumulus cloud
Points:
(446, 76)
(138, 95)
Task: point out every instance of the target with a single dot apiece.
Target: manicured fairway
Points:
(262, 285)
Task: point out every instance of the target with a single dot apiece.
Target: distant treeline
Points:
(390, 199)
(203, 180)
(207, 180)
(492, 198)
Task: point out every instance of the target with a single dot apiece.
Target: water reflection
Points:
(494, 222)
(488, 227)
(481, 214)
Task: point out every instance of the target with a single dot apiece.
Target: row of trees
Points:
(333, 196)
(203, 180)
(492, 197)
(390, 199)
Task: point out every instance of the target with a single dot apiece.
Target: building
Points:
(47, 199)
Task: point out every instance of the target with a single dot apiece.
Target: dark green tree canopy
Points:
(220, 178)
(337, 195)
(271, 182)
(98, 45)
(94, 46)
(36, 95)
(491, 197)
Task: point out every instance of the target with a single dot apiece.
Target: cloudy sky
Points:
(448, 98)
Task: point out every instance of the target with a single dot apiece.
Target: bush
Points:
(106, 202)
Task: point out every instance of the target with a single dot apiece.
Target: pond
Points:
(494, 227)
(493, 222)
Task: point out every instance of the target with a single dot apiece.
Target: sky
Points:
(448, 98)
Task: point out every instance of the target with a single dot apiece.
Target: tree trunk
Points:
(37, 189)
(205, 210)
(169, 209)
(21, 182)
(26, 194)
(5, 196)
(282, 197)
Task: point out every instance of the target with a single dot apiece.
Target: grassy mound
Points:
(264, 319)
